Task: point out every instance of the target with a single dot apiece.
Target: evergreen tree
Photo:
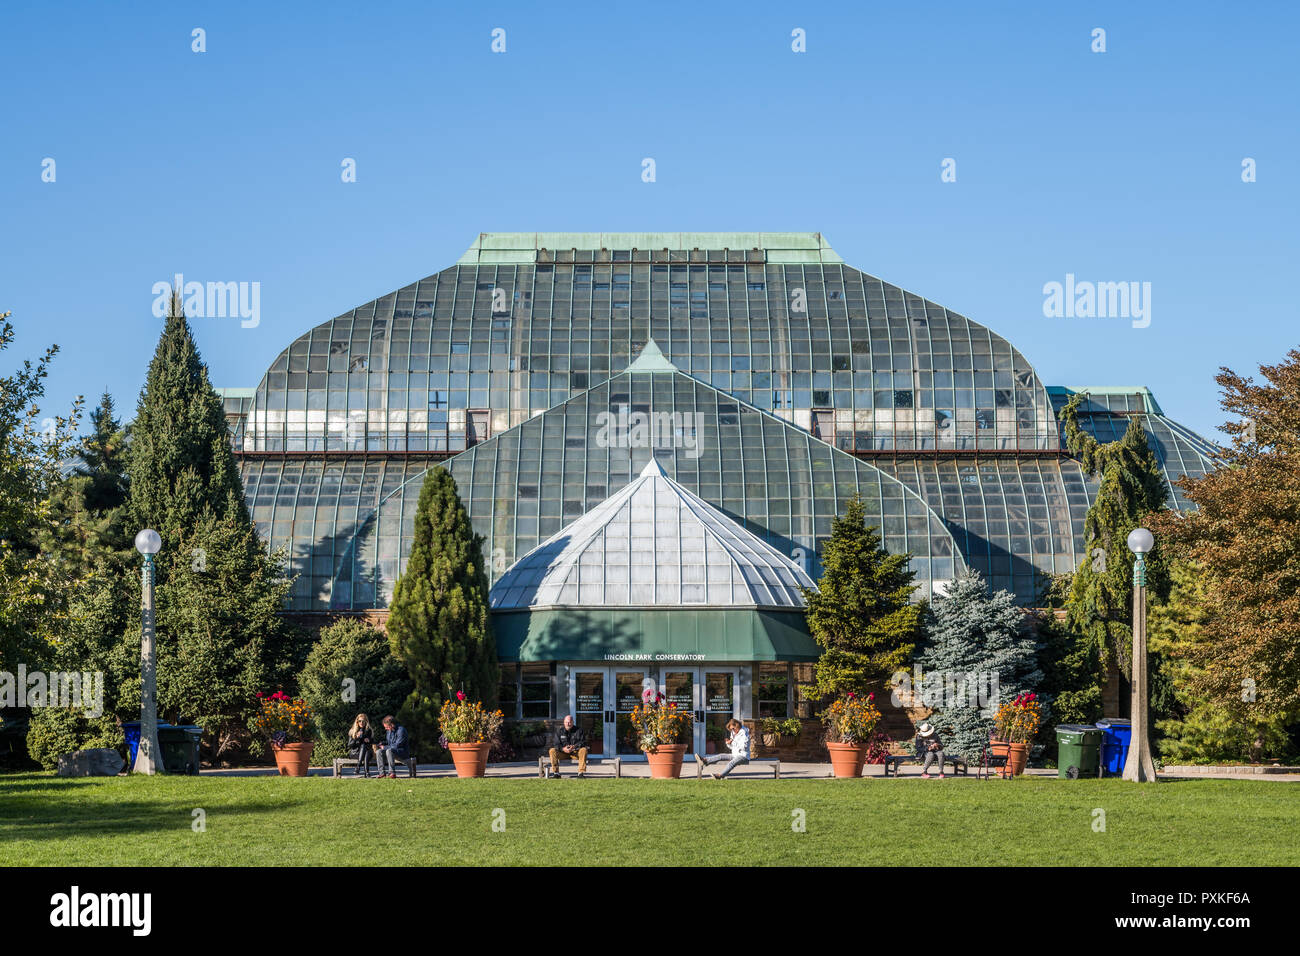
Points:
(438, 618)
(90, 504)
(350, 650)
(181, 462)
(1100, 605)
(221, 638)
(1244, 663)
(975, 642)
(860, 613)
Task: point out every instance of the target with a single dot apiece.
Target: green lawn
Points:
(276, 821)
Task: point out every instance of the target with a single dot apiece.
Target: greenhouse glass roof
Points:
(653, 543)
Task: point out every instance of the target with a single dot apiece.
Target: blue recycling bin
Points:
(1116, 734)
(132, 730)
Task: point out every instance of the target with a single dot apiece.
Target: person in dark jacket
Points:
(361, 744)
(393, 749)
(929, 748)
(570, 742)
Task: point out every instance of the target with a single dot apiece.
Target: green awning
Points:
(652, 634)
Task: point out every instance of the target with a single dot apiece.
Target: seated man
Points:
(394, 748)
(569, 742)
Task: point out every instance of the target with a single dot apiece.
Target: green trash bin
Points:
(180, 748)
(1078, 749)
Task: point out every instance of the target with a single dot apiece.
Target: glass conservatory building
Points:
(753, 380)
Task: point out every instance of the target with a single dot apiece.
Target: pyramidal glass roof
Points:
(652, 544)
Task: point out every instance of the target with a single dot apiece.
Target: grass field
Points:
(273, 821)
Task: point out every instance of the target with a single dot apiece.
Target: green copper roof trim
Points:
(653, 634)
(1148, 399)
(504, 248)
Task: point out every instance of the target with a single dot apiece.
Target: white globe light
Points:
(1140, 541)
(148, 541)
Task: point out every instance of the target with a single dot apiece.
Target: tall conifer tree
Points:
(438, 618)
(220, 635)
(182, 463)
(1100, 605)
(861, 612)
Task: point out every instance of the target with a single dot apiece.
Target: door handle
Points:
(699, 716)
(609, 716)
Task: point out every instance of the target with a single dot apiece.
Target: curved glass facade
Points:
(484, 345)
(791, 381)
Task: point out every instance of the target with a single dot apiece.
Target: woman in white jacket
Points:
(739, 743)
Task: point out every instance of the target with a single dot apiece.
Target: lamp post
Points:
(1139, 766)
(148, 543)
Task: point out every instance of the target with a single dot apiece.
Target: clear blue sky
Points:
(225, 165)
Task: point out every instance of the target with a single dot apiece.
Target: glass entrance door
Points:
(588, 702)
(628, 685)
(718, 702)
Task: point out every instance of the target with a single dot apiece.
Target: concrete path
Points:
(631, 768)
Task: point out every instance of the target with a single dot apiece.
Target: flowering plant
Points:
(464, 723)
(282, 719)
(878, 748)
(1017, 720)
(851, 719)
(659, 721)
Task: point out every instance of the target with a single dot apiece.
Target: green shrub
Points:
(60, 730)
(350, 650)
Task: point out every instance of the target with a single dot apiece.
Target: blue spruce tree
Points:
(975, 641)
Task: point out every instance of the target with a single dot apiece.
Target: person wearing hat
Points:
(929, 748)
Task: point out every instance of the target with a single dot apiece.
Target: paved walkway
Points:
(631, 768)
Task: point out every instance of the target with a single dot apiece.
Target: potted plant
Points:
(1014, 727)
(469, 730)
(286, 723)
(663, 732)
(849, 724)
(771, 732)
(776, 732)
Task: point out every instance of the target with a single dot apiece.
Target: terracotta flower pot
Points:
(470, 759)
(847, 759)
(666, 761)
(1017, 757)
(293, 759)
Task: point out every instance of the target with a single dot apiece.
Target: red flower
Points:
(460, 695)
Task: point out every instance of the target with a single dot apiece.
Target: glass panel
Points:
(627, 696)
(773, 690)
(719, 707)
(679, 689)
(589, 708)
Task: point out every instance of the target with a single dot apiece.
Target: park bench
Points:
(771, 762)
(615, 762)
(341, 762)
(894, 761)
